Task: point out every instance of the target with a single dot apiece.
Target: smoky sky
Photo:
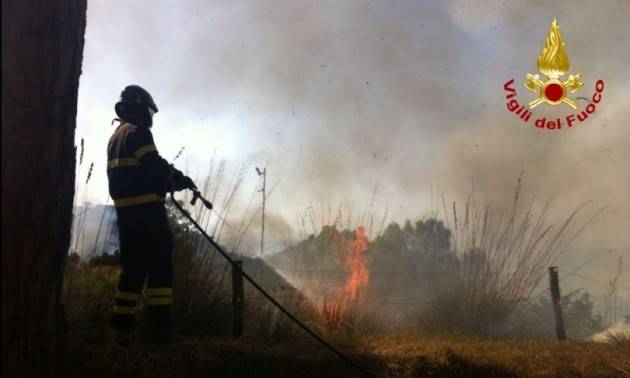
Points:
(340, 98)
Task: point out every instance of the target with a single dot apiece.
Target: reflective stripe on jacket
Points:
(137, 173)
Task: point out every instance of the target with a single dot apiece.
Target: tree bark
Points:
(42, 51)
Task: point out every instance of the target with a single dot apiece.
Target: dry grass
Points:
(513, 249)
(504, 254)
(618, 338)
(405, 356)
(501, 358)
(336, 316)
(88, 293)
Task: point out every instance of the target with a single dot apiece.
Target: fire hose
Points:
(208, 205)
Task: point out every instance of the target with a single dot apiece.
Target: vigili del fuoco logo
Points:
(552, 89)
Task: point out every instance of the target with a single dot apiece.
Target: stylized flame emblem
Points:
(553, 62)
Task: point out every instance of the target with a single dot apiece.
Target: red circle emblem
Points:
(554, 92)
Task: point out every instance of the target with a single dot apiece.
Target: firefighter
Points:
(139, 179)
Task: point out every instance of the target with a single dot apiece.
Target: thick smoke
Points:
(343, 97)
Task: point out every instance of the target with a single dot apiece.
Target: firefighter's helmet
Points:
(135, 100)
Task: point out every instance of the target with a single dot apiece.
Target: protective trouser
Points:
(146, 245)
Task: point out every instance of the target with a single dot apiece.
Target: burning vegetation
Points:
(338, 308)
(474, 272)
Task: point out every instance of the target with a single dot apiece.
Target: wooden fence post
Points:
(237, 300)
(554, 285)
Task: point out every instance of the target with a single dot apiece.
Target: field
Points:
(272, 347)
(384, 357)
(426, 299)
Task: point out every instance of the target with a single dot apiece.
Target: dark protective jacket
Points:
(138, 181)
(136, 171)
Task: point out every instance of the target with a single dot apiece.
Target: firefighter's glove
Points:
(181, 182)
(188, 183)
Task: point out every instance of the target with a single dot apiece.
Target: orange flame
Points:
(356, 263)
(337, 311)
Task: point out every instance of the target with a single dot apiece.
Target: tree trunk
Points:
(42, 50)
